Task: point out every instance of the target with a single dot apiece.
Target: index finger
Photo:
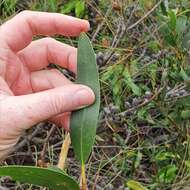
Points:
(18, 32)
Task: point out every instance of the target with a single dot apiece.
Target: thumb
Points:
(27, 110)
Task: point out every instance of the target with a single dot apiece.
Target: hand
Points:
(29, 92)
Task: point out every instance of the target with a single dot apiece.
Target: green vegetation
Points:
(143, 138)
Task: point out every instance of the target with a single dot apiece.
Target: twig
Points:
(142, 104)
(119, 35)
(131, 14)
(29, 138)
(64, 152)
(100, 25)
(177, 98)
(145, 16)
(42, 154)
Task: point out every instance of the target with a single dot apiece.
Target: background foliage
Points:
(143, 55)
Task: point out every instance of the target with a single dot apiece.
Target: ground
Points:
(143, 56)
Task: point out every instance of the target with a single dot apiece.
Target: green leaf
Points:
(138, 159)
(167, 34)
(161, 156)
(186, 40)
(84, 121)
(167, 174)
(181, 25)
(183, 74)
(136, 90)
(135, 185)
(185, 114)
(79, 8)
(173, 19)
(129, 82)
(187, 164)
(68, 7)
(53, 178)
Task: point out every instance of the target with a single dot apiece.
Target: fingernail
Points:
(84, 97)
(87, 24)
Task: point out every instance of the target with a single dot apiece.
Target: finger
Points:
(17, 33)
(48, 79)
(27, 110)
(10, 65)
(40, 53)
(38, 81)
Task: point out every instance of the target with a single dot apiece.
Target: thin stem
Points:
(83, 178)
(64, 152)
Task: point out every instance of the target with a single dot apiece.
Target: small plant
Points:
(174, 28)
(7, 8)
(83, 130)
(76, 6)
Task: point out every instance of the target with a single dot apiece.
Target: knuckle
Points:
(4, 55)
(63, 102)
(24, 13)
(55, 71)
(57, 103)
(48, 40)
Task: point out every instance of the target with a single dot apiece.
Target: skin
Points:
(29, 92)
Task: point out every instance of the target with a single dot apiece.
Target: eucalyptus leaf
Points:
(53, 178)
(84, 121)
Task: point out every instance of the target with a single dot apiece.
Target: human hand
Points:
(30, 93)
